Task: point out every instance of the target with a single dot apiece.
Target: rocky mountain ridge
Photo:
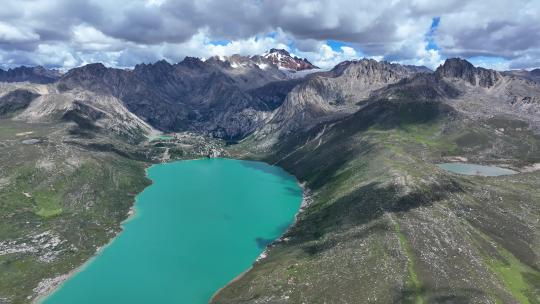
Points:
(36, 74)
(330, 95)
(533, 75)
(232, 97)
(462, 69)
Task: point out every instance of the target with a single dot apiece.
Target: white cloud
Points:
(87, 37)
(10, 33)
(326, 58)
(124, 31)
(499, 64)
(423, 56)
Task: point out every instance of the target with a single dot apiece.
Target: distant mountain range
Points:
(37, 74)
(277, 93)
(533, 75)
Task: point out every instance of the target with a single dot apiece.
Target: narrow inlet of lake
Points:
(200, 224)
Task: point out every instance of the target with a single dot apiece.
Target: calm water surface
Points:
(200, 224)
(472, 169)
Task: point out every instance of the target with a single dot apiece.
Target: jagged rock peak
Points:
(158, 66)
(461, 68)
(372, 64)
(90, 70)
(279, 51)
(342, 66)
(367, 66)
(283, 59)
(192, 62)
(98, 66)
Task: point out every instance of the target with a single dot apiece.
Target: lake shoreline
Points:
(58, 282)
(307, 199)
(53, 284)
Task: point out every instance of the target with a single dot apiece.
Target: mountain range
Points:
(380, 220)
(232, 97)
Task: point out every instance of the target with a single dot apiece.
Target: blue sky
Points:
(430, 35)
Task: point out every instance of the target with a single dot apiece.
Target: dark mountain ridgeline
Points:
(221, 98)
(36, 74)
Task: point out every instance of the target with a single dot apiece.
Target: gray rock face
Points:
(248, 72)
(330, 95)
(418, 87)
(85, 110)
(191, 95)
(460, 68)
(478, 92)
(227, 97)
(418, 69)
(31, 74)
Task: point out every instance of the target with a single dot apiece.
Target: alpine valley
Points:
(380, 222)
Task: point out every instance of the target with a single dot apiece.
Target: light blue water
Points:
(472, 169)
(197, 227)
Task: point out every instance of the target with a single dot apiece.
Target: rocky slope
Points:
(86, 110)
(330, 95)
(385, 225)
(475, 91)
(212, 96)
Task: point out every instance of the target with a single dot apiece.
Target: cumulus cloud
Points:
(126, 32)
(325, 57)
(12, 34)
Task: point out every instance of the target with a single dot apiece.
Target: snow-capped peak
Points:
(284, 60)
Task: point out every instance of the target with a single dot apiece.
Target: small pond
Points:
(473, 169)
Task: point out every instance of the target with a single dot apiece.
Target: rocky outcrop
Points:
(462, 69)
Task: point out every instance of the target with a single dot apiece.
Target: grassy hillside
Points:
(58, 204)
(387, 226)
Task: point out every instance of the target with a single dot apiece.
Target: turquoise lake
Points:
(473, 169)
(199, 225)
